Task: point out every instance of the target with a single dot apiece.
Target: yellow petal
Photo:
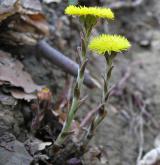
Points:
(109, 43)
(95, 11)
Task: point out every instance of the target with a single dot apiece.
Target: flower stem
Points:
(105, 96)
(76, 96)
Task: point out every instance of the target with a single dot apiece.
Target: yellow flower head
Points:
(109, 43)
(95, 11)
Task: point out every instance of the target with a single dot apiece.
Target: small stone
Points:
(145, 43)
(13, 152)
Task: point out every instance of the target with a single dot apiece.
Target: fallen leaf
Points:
(12, 72)
(19, 94)
(23, 22)
(38, 22)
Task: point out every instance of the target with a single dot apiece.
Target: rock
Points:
(51, 1)
(13, 152)
(145, 43)
(33, 145)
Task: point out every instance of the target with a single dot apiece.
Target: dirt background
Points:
(129, 130)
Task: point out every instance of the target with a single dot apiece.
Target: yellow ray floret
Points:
(109, 43)
(95, 11)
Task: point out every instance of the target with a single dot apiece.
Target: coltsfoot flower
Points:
(95, 11)
(109, 43)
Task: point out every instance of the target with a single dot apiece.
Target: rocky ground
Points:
(131, 128)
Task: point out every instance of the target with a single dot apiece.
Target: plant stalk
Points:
(76, 97)
(106, 92)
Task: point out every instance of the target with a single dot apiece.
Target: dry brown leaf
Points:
(27, 24)
(12, 72)
(38, 21)
(23, 7)
(19, 94)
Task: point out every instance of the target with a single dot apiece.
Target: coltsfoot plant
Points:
(106, 45)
